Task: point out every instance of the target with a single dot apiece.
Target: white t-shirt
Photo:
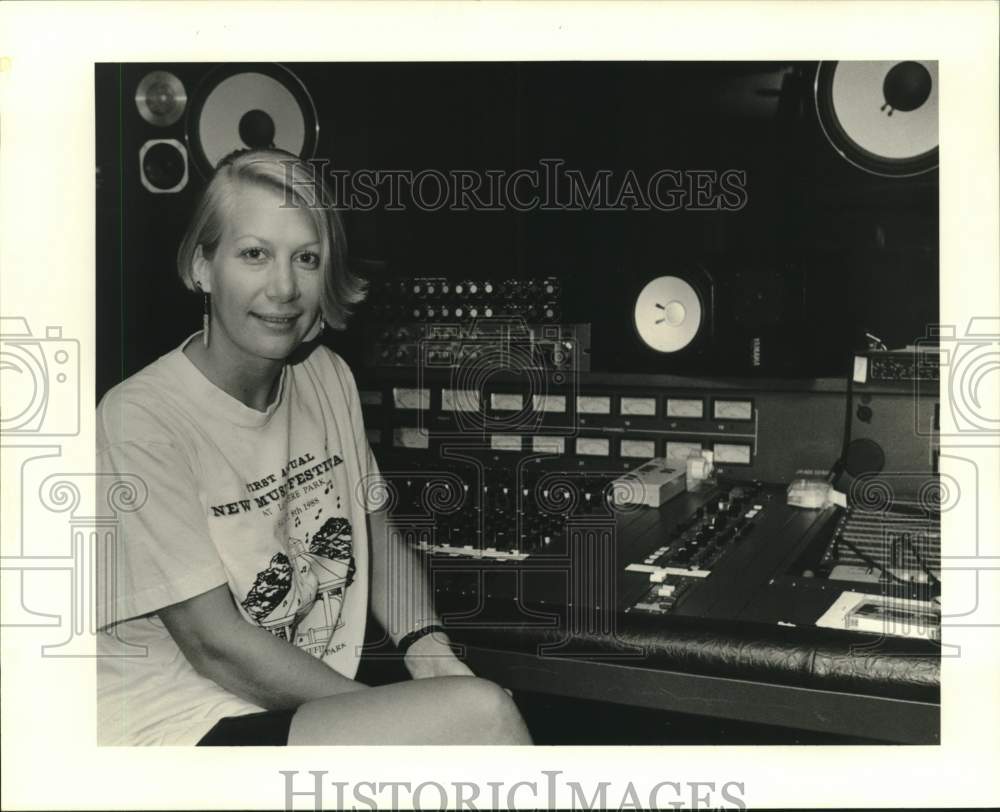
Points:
(272, 503)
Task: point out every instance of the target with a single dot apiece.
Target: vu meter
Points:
(686, 407)
(732, 410)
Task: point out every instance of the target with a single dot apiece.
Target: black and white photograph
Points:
(624, 421)
(638, 379)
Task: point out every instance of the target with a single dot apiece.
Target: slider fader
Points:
(694, 545)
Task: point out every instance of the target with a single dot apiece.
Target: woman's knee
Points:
(492, 710)
(442, 710)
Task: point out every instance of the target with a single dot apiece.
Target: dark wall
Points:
(864, 248)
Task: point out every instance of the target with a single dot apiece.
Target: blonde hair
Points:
(299, 184)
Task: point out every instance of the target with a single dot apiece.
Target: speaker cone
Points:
(668, 314)
(163, 165)
(881, 116)
(250, 106)
(160, 98)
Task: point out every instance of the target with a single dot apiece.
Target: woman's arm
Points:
(401, 598)
(245, 659)
(402, 602)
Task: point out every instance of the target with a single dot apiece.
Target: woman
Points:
(242, 580)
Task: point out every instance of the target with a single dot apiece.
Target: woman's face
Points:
(266, 278)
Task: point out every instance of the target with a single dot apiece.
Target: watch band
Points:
(409, 639)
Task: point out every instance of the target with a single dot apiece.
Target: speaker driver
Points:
(163, 166)
(160, 98)
(248, 107)
(668, 314)
(881, 116)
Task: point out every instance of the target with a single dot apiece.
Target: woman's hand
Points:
(431, 656)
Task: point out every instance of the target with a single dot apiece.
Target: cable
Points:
(838, 466)
(908, 539)
(871, 562)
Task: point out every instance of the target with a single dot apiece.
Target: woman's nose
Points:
(281, 284)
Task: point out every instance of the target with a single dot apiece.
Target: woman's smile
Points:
(277, 322)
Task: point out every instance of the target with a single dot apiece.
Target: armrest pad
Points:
(811, 657)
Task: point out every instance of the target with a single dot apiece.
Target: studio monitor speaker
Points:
(881, 116)
(250, 106)
(893, 436)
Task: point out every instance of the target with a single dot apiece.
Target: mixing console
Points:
(696, 544)
(905, 543)
(501, 514)
(527, 531)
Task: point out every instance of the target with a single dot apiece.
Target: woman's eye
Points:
(254, 254)
(309, 259)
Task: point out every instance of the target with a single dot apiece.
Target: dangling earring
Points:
(206, 315)
(316, 330)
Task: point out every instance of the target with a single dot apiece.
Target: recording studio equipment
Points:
(916, 364)
(893, 422)
(882, 545)
(881, 116)
(528, 533)
(250, 106)
(536, 469)
(741, 318)
(492, 513)
(868, 231)
(436, 322)
(912, 616)
(502, 343)
(694, 545)
(899, 542)
(163, 165)
(533, 565)
(651, 484)
(762, 325)
(669, 314)
(438, 298)
(232, 107)
(593, 416)
(490, 521)
(160, 98)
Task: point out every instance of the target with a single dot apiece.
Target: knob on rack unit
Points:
(442, 322)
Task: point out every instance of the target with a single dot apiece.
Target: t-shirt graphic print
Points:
(290, 578)
(322, 566)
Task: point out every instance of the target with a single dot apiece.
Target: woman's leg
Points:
(442, 710)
